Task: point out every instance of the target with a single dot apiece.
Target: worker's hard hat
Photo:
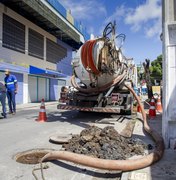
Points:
(7, 72)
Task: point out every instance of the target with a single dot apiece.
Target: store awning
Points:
(46, 73)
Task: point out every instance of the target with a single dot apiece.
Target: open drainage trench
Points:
(90, 145)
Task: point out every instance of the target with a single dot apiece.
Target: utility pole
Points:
(169, 72)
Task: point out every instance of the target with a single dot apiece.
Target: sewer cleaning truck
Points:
(99, 72)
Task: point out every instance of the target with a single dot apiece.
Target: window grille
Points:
(13, 36)
(36, 44)
(54, 51)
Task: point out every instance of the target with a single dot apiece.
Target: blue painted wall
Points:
(82, 29)
(54, 89)
(59, 8)
(19, 96)
(64, 65)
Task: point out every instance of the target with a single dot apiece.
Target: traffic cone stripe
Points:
(152, 107)
(42, 104)
(42, 110)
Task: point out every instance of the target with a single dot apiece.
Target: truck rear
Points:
(99, 73)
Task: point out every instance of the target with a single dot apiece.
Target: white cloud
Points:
(145, 17)
(84, 9)
(116, 16)
(154, 30)
(148, 14)
(119, 12)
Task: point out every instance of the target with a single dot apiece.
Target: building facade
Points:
(37, 38)
(169, 73)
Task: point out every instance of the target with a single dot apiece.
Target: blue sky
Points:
(139, 20)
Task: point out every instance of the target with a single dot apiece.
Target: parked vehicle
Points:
(99, 73)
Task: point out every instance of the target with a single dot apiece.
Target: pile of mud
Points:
(104, 143)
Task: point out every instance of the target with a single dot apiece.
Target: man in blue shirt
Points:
(12, 87)
(3, 99)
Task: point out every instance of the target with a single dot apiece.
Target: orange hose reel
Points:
(87, 57)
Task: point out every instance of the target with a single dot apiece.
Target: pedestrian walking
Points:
(12, 88)
(3, 99)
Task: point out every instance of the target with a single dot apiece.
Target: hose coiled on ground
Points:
(122, 165)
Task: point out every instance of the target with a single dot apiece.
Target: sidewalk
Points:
(30, 105)
(165, 169)
(34, 105)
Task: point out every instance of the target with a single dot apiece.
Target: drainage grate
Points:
(32, 156)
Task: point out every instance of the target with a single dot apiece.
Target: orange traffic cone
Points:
(159, 106)
(138, 108)
(152, 101)
(152, 110)
(42, 114)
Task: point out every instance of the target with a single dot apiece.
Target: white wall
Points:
(169, 74)
(25, 88)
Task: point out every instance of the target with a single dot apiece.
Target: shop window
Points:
(13, 36)
(54, 51)
(36, 44)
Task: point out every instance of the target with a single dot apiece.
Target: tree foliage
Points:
(156, 69)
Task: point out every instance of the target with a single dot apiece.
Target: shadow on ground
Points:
(99, 173)
(75, 117)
